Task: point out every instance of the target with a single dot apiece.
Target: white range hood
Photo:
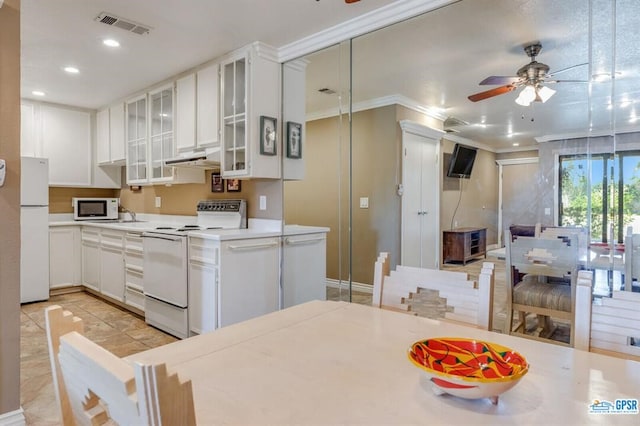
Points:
(208, 159)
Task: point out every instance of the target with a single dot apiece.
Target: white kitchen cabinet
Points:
(110, 136)
(203, 285)
(112, 274)
(304, 268)
(197, 110)
(133, 270)
(64, 257)
(136, 137)
(207, 106)
(250, 89)
(66, 142)
(90, 241)
(248, 279)
(186, 113)
(150, 141)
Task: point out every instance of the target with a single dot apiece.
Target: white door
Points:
(518, 207)
(420, 199)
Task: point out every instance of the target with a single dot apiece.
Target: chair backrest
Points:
(99, 387)
(631, 258)
(551, 257)
(615, 325)
(436, 293)
(565, 233)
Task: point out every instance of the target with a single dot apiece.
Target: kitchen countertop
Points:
(151, 222)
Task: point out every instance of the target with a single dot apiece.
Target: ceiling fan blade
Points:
(351, 1)
(500, 79)
(493, 92)
(566, 81)
(566, 69)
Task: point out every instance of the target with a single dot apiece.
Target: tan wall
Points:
(479, 198)
(377, 169)
(10, 207)
(177, 199)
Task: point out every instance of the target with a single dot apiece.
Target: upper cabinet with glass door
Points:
(136, 113)
(150, 141)
(250, 85)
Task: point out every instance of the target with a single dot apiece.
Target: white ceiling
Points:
(433, 61)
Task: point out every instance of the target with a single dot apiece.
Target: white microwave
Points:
(95, 208)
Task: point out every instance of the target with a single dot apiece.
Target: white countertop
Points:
(258, 228)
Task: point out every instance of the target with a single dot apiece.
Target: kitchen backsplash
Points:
(177, 199)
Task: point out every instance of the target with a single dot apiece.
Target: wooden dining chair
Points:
(547, 288)
(434, 293)
(94, 387)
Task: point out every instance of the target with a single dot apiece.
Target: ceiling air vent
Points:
(125, 24)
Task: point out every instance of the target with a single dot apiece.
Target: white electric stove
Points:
(166, 257)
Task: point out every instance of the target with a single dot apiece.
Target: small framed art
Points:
(217, 183)
(233, 185)
(294, 140)
(268, 134)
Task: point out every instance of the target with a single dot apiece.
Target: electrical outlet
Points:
(158, 202)
(263, 202)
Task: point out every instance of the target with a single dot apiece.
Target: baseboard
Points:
(13, 418)
(57, 291)
(364, 288)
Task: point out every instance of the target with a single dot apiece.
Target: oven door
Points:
(165, 267)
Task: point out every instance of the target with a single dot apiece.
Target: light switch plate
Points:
(263, 202)
(364, 202)
(3, 171)
(158, 202)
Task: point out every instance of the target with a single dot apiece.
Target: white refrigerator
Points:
(34, 229)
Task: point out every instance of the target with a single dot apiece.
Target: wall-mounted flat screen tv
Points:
(462, 161)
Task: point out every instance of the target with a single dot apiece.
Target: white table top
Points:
(335, 362)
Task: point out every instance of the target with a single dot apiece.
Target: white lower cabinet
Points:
(133, 270)
(232, 281)
(112, 264)
(64, 256)
(91, 258)
(304, 268)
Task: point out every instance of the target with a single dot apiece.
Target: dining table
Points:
(326, 362)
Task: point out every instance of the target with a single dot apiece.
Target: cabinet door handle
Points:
(423, 212)
(302, 241)
(254, 246)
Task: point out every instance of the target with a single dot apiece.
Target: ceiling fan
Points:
(531, 76)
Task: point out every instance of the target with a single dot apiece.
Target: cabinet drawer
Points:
(111, 239)
(134, 297)
(134, 277)
(134, 260)
(203, 252)
(90, 236)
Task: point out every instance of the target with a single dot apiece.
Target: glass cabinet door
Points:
(234, 117)
(137, 140)
(161, 133)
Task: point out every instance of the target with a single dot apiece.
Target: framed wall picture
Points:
(217, 183)
(294, 140)
(268, 134)
(233, 185)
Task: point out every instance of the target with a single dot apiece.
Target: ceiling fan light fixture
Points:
(526, 96)
(545, 93)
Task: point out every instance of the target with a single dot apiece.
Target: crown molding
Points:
(459, 139)
(376, 19)
(414, 128)
(588, 134)
(517, 149)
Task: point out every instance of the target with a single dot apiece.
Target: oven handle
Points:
(161, 238)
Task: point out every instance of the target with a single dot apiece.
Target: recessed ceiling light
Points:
(72, 70)
(111, 42)
(37, 93)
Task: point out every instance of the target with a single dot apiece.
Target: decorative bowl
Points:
(468, 368)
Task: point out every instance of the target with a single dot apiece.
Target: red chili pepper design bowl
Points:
(468, 368)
